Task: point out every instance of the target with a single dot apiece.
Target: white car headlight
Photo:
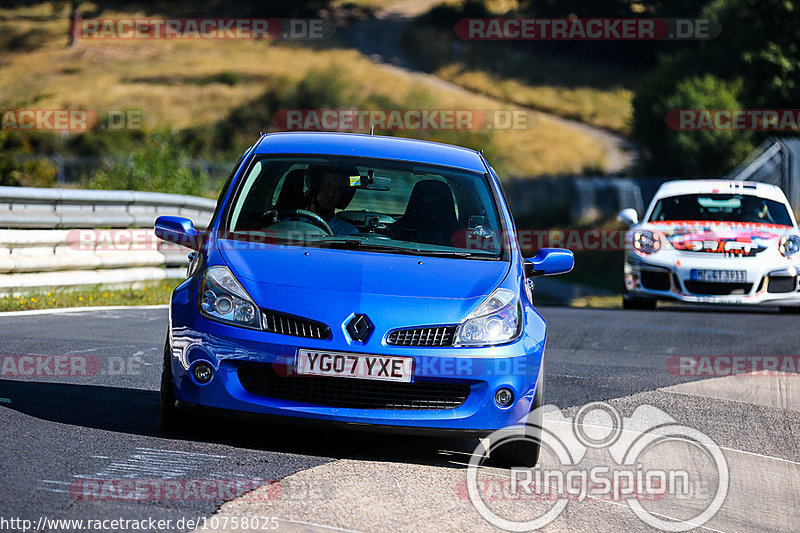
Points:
(647, 241)
(495, 321)
(789, 245)
(223, 298)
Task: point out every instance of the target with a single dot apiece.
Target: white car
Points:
(713, 241)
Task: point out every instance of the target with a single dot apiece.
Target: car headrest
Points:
(315, 173)
(431, 199)
(292, 195)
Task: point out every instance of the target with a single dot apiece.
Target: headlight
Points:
(789, 245)
(495, 321)
(646, 241)
(223, 298)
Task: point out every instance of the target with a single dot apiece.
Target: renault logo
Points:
(359, 327)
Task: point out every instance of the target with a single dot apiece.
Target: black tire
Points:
(789, 309)
(168, 416)
(638, 303)
(523, 452)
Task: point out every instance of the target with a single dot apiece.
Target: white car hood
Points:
(729, 238)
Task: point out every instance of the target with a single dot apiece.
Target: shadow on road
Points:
(135, 411)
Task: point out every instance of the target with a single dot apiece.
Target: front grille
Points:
(353, 393)
(440, 336)
(717, 289)
(296, 326)
(782, 284)
(655, 280)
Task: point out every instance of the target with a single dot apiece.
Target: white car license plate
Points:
(720, 276)
(352, 365)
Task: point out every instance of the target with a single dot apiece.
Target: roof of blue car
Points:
(377, 146)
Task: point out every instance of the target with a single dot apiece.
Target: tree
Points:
(754, 63)
(698, 153)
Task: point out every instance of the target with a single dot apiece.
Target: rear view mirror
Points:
(379, 184)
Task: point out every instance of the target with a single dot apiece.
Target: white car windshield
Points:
(721, 208)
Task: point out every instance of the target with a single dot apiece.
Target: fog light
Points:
(503, 397)
(202, 372)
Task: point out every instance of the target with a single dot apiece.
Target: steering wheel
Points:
(310, 216)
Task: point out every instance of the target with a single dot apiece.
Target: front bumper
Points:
(668, 276)
(229, 350)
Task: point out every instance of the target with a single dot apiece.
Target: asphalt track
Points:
(56, 430)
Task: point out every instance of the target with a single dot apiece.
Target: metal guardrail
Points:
(776, 161)
(27, 207)
(51, 256)
(566, 200)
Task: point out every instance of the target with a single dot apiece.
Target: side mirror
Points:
(178, 230)
(629, 216)
(549, 262)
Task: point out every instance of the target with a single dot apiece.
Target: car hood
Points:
(294, 279)
(731, 238)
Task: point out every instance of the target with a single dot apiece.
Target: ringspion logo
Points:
(642, 462)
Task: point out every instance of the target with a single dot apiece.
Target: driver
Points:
(328, 185)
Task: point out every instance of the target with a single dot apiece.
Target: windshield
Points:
(367, 204)
(721, 208)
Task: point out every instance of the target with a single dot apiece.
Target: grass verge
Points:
(151, 293)
(140, 75)
(596, 94)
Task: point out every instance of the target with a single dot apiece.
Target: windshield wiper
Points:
(353, 244)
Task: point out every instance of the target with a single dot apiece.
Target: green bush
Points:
(328, 89)
(20, 166)
(161, 164)
(690, 153)
(754, 63)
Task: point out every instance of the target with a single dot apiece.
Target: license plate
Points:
(720, 276)
(352, 365)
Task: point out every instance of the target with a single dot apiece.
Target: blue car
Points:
(359, 280)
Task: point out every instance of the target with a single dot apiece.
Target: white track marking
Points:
(65, 310)
(727, 449)
(332, 528)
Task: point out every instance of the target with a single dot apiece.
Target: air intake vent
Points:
(296, 326)
(782, 284)
(439, 336)
(353, 393)
(717, 289)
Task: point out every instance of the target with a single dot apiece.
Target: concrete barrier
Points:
(53, 237)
